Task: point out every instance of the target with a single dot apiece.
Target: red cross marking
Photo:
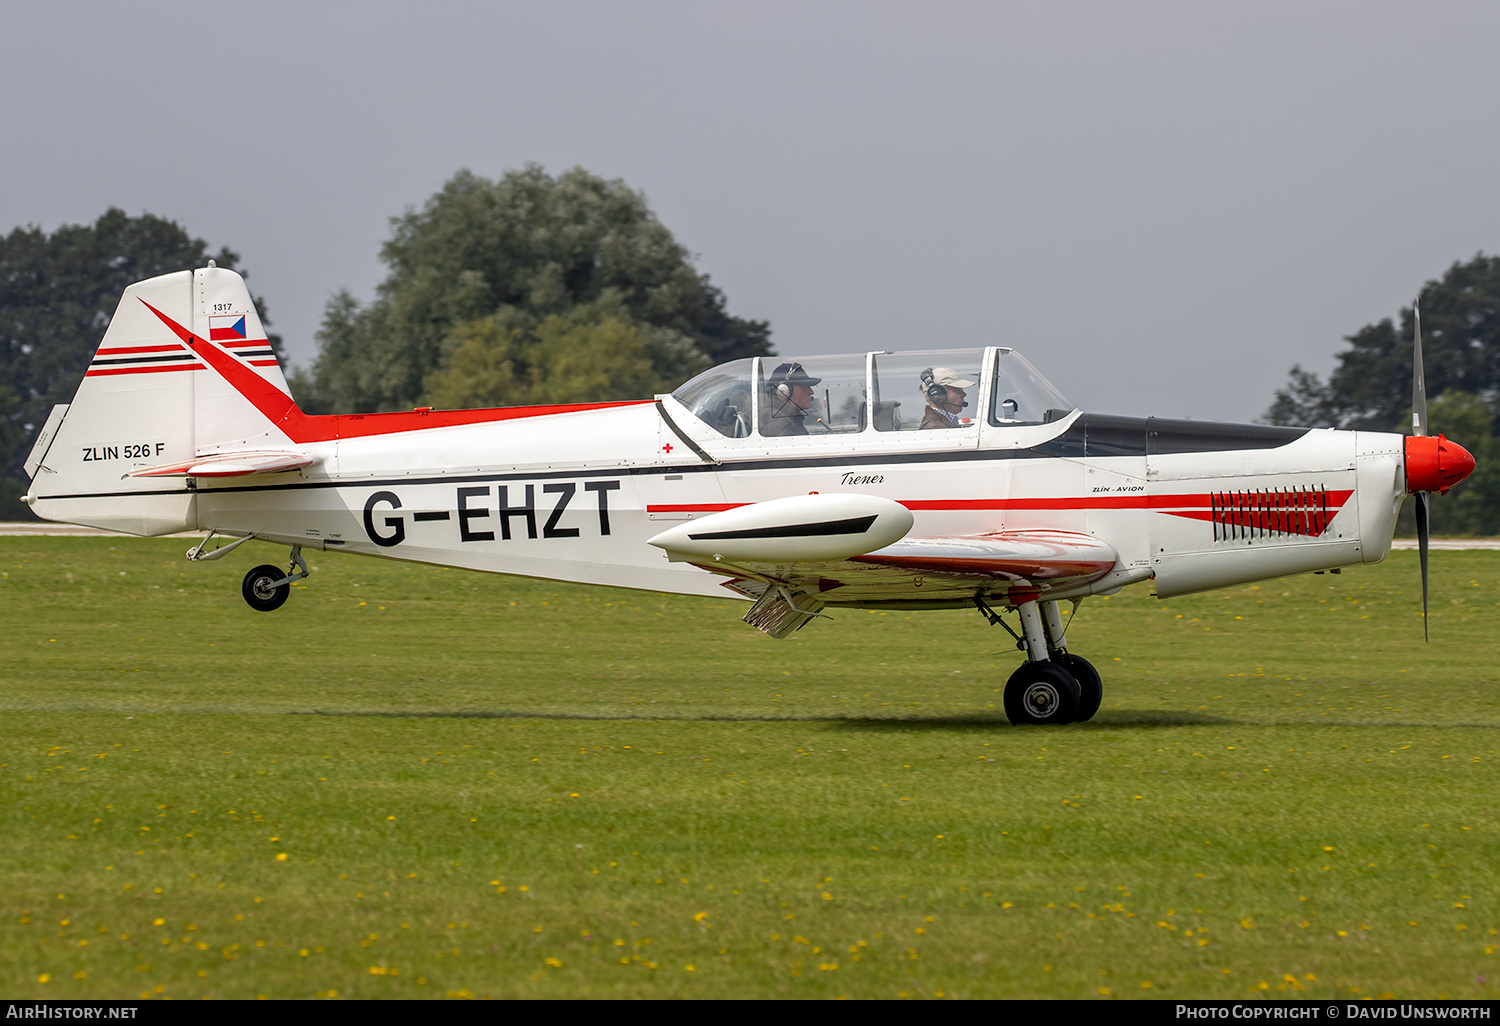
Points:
(667, 447)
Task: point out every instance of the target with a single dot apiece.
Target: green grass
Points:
(497, 787)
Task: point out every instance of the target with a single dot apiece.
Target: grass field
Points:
(418, 782)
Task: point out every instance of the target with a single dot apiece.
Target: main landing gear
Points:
(1053, 686)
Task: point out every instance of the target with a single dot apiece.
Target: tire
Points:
(1042, 693)
(259, 597)
(1090, 686)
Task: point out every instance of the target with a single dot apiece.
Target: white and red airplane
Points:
(921, 480)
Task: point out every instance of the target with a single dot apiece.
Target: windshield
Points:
(1021, 395)
(720, 397)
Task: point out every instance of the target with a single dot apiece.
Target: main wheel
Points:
(1041, 693)
(258, 592)
(1090, 687)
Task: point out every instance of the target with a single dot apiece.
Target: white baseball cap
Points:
(949, 377)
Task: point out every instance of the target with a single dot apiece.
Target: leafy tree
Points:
(1371, 385)
(1304, 401)
(475, 275)
(594, 352)
(1471, 507)
(57, 295)
(14, 443)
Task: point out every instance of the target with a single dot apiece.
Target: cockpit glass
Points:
(720, 397)
(821, 395)
(1021, 395)
(825, 395)
(933, 389)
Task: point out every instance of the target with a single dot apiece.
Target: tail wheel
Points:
(1043, 693)
(258, 591)
(1090, 686)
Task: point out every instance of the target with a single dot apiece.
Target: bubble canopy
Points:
(934, 389)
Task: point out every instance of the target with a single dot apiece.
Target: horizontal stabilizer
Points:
(229, 464)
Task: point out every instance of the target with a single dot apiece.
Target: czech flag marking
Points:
(230, 328)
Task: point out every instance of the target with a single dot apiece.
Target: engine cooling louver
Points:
(1270, 513)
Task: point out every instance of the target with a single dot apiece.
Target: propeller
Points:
(1419, 430)
(1432, 464)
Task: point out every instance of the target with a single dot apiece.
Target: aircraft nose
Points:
(1435, 464)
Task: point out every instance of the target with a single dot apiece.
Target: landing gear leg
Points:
(1031, 626)
(1057, 641)
(1040, 691)
(266, 588)
(1043, 690)
(1090, 687)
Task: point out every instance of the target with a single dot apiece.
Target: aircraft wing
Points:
(930, 571)
(229, 464)
(769, 554)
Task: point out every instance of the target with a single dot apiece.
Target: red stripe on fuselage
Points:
(279, 408)
(1141, 500)
(1056, 502)
(1197, 506)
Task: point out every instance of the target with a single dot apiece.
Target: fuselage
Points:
(576, 495)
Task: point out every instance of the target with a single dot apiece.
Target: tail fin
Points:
(148, 399)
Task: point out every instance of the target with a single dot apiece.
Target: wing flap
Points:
(778, 612)
(933, 571)
(1011, 555)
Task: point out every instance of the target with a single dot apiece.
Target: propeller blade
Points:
(1422, 499)
(1418, 384)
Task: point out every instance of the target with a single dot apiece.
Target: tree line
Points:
(525, 289)
(57, 295)
(1370, 387)
(533, 288)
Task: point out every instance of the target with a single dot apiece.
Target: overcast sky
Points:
(1163, 205)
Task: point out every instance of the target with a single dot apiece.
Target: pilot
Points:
(789, 394)
(945, 397)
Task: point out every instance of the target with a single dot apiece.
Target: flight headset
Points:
(785, 371)
(937, 394)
